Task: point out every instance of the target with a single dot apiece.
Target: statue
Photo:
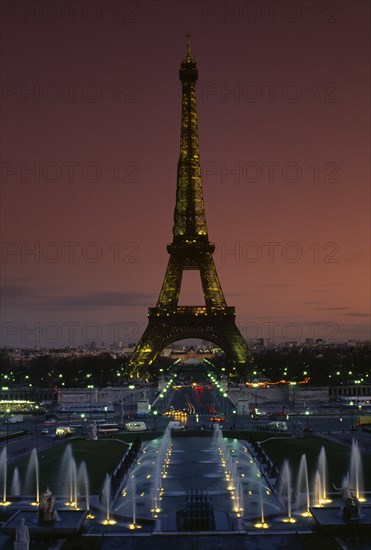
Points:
(46, 507)
(91, 432)
(22, 536)
(351, 508)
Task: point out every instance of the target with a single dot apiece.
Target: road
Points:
(201, 402)
(195, 400)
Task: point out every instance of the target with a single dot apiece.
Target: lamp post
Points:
(36, 416)
(131, 388)
(90, 388)
(122, 406)
(221, 400)
(7, 425)
(225, 395)
(155, 413)
(234, 419)
(292, 387)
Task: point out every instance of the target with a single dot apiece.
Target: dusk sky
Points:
(284, 131)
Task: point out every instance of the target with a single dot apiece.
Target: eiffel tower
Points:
(191, 249)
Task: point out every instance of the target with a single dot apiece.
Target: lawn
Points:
(338, 457)
(101, 457)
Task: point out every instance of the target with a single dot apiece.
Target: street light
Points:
(234, 418)
(351, 415)
(36, 415)
(131, 388)
(122, 405)
(155, 413)
(7, 425)
(90, 387)
(225, 395)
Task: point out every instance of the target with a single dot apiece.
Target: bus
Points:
(86, 407)
(108, 428)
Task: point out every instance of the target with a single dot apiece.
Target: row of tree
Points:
(327, 366)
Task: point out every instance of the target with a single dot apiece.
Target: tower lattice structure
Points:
(191, 249)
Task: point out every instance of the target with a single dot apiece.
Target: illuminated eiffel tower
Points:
(191, 249)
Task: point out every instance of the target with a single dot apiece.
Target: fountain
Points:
(303, 480)
(285, 487)
(239, 497)
(234, 481)
(133, 486)
(160, 470)
(16, 483)
(186, 483)
(33, 473)
(339, 520)
(317, 489)
(106, 501)
(63, 522)
(83, 482)
(322, 469)
(262, 524)
(4, 473)
(355, 472)
(68, 477)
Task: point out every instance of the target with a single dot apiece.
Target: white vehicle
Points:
(14, 419)
(175, 425)
(108, 428)
(278, 425)
(86, 407)
(63, 431)
(136, 426)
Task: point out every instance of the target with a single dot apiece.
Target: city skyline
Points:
(90, 155)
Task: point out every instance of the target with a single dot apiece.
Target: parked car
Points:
(175, 425)
(135, 426)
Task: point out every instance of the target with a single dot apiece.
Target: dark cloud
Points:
(44, 299)
(335, 308)
(101, 299)
(358, 314)
(310, 303)
(278, 285)
(16, 295)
